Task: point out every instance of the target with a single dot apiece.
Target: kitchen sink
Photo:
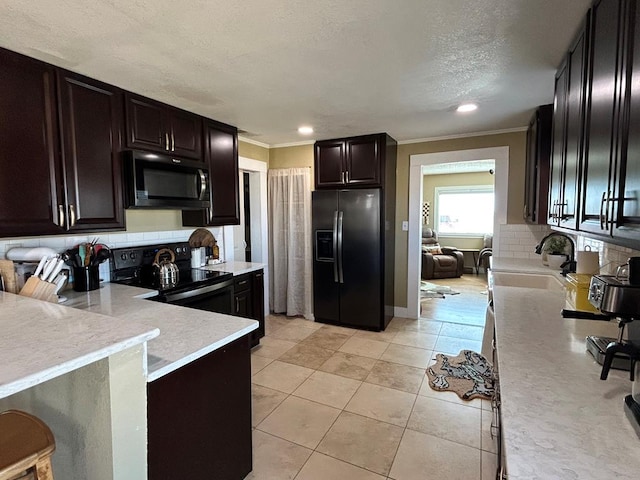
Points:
(526, 280)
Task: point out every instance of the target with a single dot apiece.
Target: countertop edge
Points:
(162, 371)
(74, 364)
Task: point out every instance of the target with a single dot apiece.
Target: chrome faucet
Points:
(569, 265)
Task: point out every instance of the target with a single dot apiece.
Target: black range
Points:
(196, 287)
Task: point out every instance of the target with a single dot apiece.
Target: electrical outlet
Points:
(405, 226)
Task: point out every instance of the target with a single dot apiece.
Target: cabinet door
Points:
(91, 115)
(30, 188)
(602, 149)
(258, 305)
(537, 165)
(146, 127)
(221, 154)
(558, 145)
(628, 209)
(330, 163)
(243, 304)
(363, 161)
(185, 133)
(568, 210)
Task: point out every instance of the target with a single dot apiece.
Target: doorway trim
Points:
(416, 162)
(255, 167)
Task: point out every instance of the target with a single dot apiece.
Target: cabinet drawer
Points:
(242, 283)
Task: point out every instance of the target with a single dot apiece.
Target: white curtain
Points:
(290, 241)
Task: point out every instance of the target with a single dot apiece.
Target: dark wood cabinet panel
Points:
(185, 133)
(537, 165)
(199, 417)
(329, 164)
(351, 162)
(568, 134)
(626, 213)
(258, 305)
(90, 114)
(158, 127)
(558, 144)
(602, 146)
(363, 161)
(145, 124)
(30, 185)
(221, 155)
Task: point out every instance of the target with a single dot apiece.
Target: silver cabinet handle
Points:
(347, 175)
(166, 141)
(72, 215)
(237, 305)
(173, 143)
(335, 246)
(61, 215)
(342, 177)
(340, 269)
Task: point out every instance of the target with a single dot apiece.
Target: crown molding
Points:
(463, 135)
(253, 142)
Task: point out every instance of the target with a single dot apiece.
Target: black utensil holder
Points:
(86, 278)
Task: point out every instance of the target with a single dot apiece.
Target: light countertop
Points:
(41, 340)
(559, 419)
(237, 268)
(186, 334)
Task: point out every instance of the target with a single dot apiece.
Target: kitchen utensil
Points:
(8, 271)
(165, 269)
(60, 281)
(1, 283)
(43, 260)
(56, 270)
(48, 268)
(102, 255)
(82, 251)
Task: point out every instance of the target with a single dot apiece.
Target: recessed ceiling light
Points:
(466, 107)
(305, 130)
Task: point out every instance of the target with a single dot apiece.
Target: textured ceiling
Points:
(346, 67)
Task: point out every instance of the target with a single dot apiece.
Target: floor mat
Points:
(469, 374)
(431, 290)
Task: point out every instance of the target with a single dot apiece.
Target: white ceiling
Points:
(346, 67)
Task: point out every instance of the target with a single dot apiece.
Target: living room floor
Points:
(338, 403)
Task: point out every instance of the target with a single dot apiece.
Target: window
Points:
(464, 211)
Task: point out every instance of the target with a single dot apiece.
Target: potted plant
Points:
(556, 248)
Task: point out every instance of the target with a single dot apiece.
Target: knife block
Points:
(37, 288)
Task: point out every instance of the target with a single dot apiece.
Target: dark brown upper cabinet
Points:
(90, 127)
(568, 138)
(158, 127)
(31, 187)
(221, 155)
(59, 150)
(351, 162)
(537, 165)
(608, 107)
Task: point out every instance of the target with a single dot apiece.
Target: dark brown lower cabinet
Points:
(199, 417)
(248, 292)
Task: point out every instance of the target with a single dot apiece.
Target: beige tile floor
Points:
(338, 403)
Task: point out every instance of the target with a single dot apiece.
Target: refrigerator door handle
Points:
(340, 269)
(335, 246)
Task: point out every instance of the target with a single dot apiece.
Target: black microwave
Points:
(160, 181)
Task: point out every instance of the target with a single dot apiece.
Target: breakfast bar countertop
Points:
(559, 419)
(41, 340)
(186, 334)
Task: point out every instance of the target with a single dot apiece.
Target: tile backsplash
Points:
(519, 241)
(60, 243)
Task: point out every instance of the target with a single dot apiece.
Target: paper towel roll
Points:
(588, 262)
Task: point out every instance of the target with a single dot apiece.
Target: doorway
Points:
(501, 157)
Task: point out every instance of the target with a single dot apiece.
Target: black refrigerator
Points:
(352, 279)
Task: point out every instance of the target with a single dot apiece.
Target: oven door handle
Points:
(172, 297)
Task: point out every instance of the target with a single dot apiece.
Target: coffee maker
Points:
(620, 297)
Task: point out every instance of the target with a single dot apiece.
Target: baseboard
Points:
(402, 312)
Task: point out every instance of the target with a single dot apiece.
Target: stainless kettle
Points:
(165, 269)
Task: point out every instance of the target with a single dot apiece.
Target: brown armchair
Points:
(437, 261)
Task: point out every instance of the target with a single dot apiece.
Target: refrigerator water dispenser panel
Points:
(324, 245)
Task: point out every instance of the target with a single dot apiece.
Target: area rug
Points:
(470, 375)
(431, 290)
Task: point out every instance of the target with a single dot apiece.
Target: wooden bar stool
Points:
(26, 445)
